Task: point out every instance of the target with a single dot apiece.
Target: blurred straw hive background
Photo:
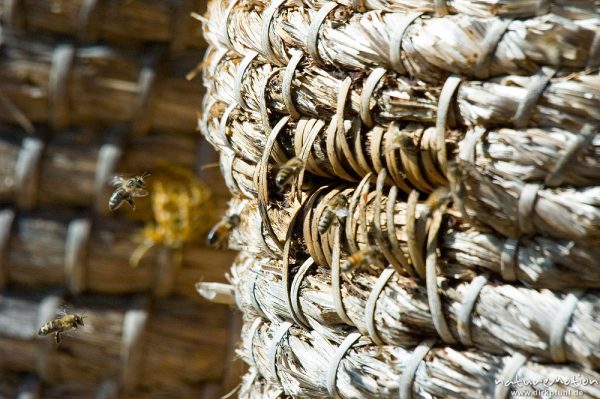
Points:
(88, 90)
(454, 147)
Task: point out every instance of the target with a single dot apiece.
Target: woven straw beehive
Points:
(91, 89)
(464, 136)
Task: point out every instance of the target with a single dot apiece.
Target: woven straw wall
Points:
(88, 90)
(463, 136)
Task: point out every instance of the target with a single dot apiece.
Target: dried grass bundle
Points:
(499, 322)
(255, 386)
(310, 364)
(42, 81)
(426, 47)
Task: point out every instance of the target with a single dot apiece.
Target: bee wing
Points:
(140, 192)
(63, 310)
(341, 212)
(117, 181)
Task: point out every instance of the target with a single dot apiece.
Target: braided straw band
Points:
(396, 41)
(134, 324)
(87, 26)
(466, 309)
(78, 235)
(239, 77)
(335, 364)
(278, 336)
(7, 217)
(561, 323)
(286, 84)
(371, 304)
(408, 375)
(534, 93)
(108, 158)
(367, 91)
(265, 41)
(508, 373)
(62, 61)
(312, 36)
(27, 171)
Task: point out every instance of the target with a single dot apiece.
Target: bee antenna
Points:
(146, 174)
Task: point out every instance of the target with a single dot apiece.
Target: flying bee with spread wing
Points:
(66, 322)
(336, 208)
(288, 172)
(126, 190)
(222, 229)
(361, 259)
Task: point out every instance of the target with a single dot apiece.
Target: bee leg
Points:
(57, 337)
(131, 203)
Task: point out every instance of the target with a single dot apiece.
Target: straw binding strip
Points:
(526, 205)
(108, 158)
(448, 90)
(396, 41)
(27, 171)
(265, 40)
(62, 61)
(560, 325)
(371, 304)
(87, 26)
(573, 150)
(134, 324)
(141, 121)
(78, 235)
(228, 42)
(279, 334)
(295, 290)
(488, 47)
(286, 84)
(335, 276)
(534, 92)
(239, 77)
(367, 91)
(7, 217)
(508, 261)
(344, 347)
(466, 309)
(511, 368)
(312, 36)
(410, 368)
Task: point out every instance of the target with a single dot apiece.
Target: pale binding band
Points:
(344, 347)
(262, 103)
(47, 311)
(312, 36)
(142, 121)
(396, 41)
(573, 150)
(535, 90)
(489, 45)
(134, 324)
(433, 296)
(466, 309)
(11, 13)
(7, 217)
(335, 276)
(509, 372)
(295, 290)
(594, 52)
(239, 78)
(441, 122)
(27, 171)
(108, 159)
(286, 84)
(367, 91)
(526, 206)
(251, 333)
(224, 124)
(371, 304)
(441, 8)
(58, 95)
(225, 25)
(508, 260)
(278, 336)
(78, 235)
(265, 40)
(410, 368)
(87, 29)
(253, 299)
(560, 325)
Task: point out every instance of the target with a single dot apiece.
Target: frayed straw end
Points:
(217, 292)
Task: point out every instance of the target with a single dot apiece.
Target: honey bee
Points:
(126, 190)
(361, 259)
(221, 230)
(66, 322)
(288, 172)
(336, 208)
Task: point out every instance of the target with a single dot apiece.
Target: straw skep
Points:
(130, 22)
(311, 364)
(463, 136)
(401, 313)
(84, 254)
(65, 85)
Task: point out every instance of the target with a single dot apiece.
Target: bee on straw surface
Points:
(66, 322)
(336, 208)
(361, 259)
(288, 172)
(221, 230)
(126, 190)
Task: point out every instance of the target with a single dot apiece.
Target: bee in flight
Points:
(361, 259)
(336, 208)
(221, 230)
(126, 190)
(67, 322)
(288, 172)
